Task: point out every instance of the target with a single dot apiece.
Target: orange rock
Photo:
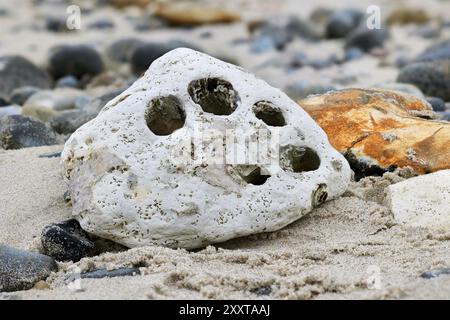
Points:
(190, 15)
(380, 130)
(126, 3)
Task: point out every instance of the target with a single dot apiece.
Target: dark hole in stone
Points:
(269, 113)
(298, 159)
(164, 115)
(252, 174)
(320, 195)
(363, 168)
(214, 95)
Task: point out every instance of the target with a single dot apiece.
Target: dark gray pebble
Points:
(20, 270)
(17, 131)
(66, 241)
(17, 72)
(432, 77)
(76, 60)
(20, 95)
(436, 103)
(435, 273)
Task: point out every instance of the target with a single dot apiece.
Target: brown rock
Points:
(127, 3)
(408, 15)
(380, 130)
(187, 14)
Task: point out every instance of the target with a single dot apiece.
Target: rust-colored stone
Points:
(191, 15)
(380, 130)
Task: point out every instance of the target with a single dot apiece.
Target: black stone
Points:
(432, 77)
(76, 60)
(17, 131)
(66, 241)
(56, 154)
(103, 273)
(435, 273)
(20, 270)
(366, 39)
(341, 22)
(146, 53)
(17, 72)
(362, 168)
(122, 50)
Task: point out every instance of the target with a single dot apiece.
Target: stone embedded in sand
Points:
(20, 270)
(187, 14)
(379, 130)
(422, 201)
(139, 174)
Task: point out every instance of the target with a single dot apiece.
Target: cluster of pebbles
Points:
(45, 102)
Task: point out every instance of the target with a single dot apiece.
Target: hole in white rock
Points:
(164, 115)
(269, 113)
(298, 159)
(214, 95)
(252, 174)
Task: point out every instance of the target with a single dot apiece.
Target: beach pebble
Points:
(122, 50)
(341, 22)
(16, 72)
(353, 54)
(300, 28)
(20, 270)
(435, 273)
(366, 39)
(302, 89)
(422, 201)
(432, 77)
(47, 103)
(436, 103)
(10, 110)
(67, 82)
(3, 102)
(68, 121)
(146, 53)
(101, 24)
(17, 131)
(76, 60)
(438, 51)
(20, 95)
(66, 241)
(132, 178)
(56, 23)
(445, 115)
(104, 273)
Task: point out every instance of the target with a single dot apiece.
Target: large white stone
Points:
(422, 201)
(133, 180)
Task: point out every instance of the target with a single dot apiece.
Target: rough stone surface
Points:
(422, 201)
(20, 270)
(66, 241)
(380, 130)
(133, 180)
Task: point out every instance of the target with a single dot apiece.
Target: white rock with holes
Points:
(171, 161)
(422, 201)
